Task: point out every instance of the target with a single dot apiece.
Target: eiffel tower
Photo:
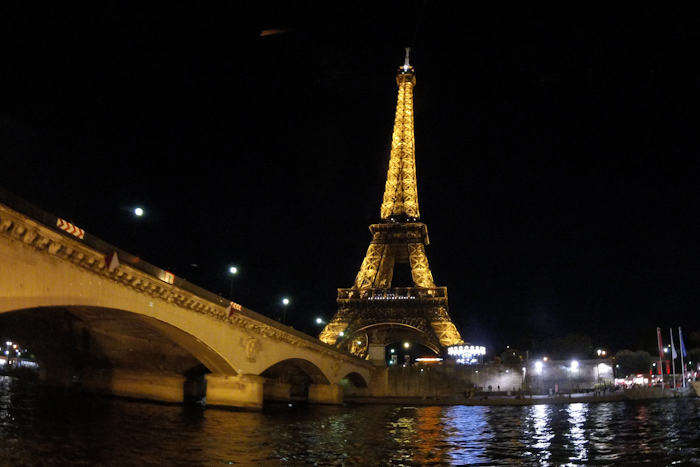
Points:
(373, 314)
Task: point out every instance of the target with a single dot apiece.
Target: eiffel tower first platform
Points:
(373, 313)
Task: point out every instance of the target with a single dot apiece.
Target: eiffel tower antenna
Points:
(373, 313)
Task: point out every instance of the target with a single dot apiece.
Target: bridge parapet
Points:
(90, 254)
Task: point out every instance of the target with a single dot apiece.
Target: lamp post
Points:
(7, 352)
(285, 302)
(138, 213)
(233, 270)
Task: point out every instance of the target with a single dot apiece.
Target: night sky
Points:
(557, 151)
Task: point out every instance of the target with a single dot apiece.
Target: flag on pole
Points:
(680, 335)
(683, 354)
(674, 355)
(661, 349)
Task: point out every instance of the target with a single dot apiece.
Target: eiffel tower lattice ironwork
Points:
(373, 314)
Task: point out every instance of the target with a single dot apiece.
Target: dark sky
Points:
(556, 148)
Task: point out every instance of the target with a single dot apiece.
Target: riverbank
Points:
(634, 394)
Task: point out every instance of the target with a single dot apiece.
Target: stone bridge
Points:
(100, 319)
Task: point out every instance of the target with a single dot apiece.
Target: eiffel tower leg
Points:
(370, 266)
(420, 270)
(331, 332)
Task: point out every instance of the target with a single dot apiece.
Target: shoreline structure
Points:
(633, 394)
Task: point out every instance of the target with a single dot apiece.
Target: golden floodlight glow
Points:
(401, 189)
(374, 309)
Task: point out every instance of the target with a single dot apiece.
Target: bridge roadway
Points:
(128, 328)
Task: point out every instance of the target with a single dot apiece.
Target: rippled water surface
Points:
(39, 428)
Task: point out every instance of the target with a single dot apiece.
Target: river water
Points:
(42, 428)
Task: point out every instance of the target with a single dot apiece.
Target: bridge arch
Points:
(41, 269)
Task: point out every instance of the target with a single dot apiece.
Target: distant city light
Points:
(466, 354)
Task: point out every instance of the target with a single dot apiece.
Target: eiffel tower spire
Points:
(373, 313)
(401, 190)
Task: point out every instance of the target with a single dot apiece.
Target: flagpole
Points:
(661, 354)
(680, 337)
(673, 357)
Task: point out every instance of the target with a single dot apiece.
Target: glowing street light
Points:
(233, 270)
(138, 212)
(285, 302)
(319, 321)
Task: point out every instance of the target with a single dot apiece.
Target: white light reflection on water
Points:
(467, 433)
(577, 432)
(538, 428)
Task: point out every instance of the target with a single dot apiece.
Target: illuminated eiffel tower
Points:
(373, 314)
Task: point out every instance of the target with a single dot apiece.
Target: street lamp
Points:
(285, 302)
(233, 270)
(138, 212)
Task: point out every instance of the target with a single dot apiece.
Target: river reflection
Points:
(40, 428)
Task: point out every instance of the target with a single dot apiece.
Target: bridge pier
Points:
(325, 394)
(241, 391)
(376, 354)
(57, 376)
(136, 384)
(274, 391)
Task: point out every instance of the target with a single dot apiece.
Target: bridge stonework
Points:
(247, 354)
